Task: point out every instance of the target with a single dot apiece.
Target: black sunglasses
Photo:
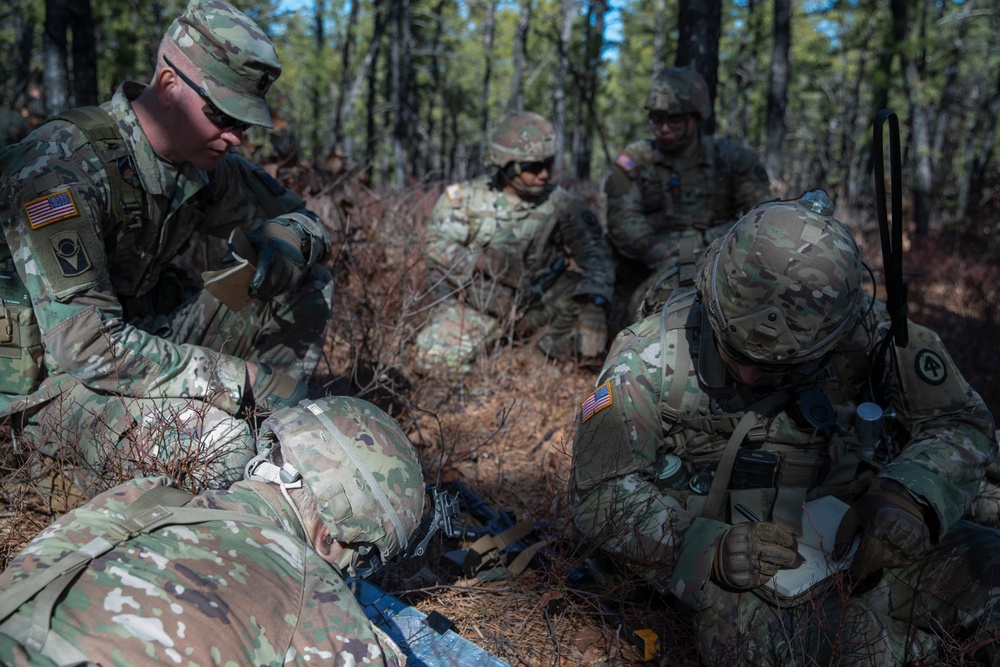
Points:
(537, 167)
(218, 118)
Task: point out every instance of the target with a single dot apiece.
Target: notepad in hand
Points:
(820, 519)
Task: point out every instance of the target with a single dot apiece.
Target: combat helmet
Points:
(679, 90)
(783, 285)
(358, 464)
(522, 137)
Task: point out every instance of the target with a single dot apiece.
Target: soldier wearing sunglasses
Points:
(716, 421)
(671, 194)
(497, 258)
(118, 361)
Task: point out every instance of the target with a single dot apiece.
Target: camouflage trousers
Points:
(459, 329)
(107, 439)
(944, 609)
(940, 610)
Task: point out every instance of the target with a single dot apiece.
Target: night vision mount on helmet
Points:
(784, 285)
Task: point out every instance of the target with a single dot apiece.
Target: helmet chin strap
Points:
(261, 469)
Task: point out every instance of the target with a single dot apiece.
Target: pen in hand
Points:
(753, 518)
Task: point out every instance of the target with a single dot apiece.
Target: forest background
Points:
(383, 102)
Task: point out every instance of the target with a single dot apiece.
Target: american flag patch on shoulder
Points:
(50, 208)
(453, 191)
(597, 401)
(625, 162)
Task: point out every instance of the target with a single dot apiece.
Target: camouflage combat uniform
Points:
(217, 592)
(656, 199)
(139, 365)
(665, 208)
(534, 233)
(665, 391)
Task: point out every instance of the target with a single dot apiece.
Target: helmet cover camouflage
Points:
(523, 137)
(359, 465)
(235, 61)
(679, 90)
(783, 285)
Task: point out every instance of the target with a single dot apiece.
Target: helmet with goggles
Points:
(783, 285)
(360, 467)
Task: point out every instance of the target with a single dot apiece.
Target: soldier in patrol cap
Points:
(115, 359)
(497, 260)
(717, 419)
(253, 575)
(670, 195)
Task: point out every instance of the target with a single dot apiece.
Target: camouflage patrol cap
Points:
(522, 137)
(361, 468)
(235, 61)
(783, 286)
(679, 90)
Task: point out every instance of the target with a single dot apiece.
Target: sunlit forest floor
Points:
(505, 429)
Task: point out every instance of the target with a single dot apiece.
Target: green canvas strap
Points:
(486, 559)
(101, 130)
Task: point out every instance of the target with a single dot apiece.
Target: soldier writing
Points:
(748, 391)
(498, 255)
(249, 576)
(113, 356)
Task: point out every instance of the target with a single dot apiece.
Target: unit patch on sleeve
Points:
(625, 162)
(70, 254)
(453, 191)
(930, 367)
(51, 208)
(597, 401)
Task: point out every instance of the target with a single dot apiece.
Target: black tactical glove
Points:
(506, 269)
(274, 390)
(748, 554)
(893, 529)
(281, 248)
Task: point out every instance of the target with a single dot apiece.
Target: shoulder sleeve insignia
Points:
(625, 162)
(70, 254)
(930, 367)
(597, 401)
(453, 191)
(51, 208)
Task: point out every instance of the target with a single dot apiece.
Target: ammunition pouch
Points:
(21, 353)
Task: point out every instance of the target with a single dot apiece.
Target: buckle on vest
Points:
(6, 326)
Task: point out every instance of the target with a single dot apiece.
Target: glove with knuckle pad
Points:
(282, 248)
(749, 554)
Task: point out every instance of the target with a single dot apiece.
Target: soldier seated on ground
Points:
(511, 255)
(118, 361)
(671, 195)
(742, 398)
(250, 576)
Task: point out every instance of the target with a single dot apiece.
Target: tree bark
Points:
(562, 72)
(402, 46)
(56, 71)
(484, 101)
(777, 93)
(981, 161)
(319, 43)
(700, 27)
(84, 52)
(516, 102)
(592, 44)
